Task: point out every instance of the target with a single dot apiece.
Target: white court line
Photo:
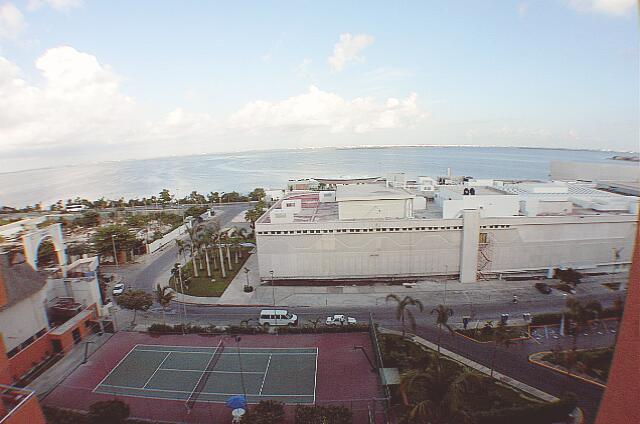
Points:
(114, 368)
(227, 353)
(156, 370)
(264, 378)
(315, 376)
(222, 372)
(185, 391)
(308, 349)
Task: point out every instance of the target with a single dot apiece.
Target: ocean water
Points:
(271, 169)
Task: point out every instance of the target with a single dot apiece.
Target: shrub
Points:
(63, 416)
(355, 328)
(534, 414)
(323, 415)
(265, 412)
(108, 412)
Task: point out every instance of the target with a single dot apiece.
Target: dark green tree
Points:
(105, 237)
(135, 300)
(108, 412)
(403, 313)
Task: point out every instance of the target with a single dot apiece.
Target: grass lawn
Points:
(203, 286)
(592, 362)
(407, 355)
(479, 334)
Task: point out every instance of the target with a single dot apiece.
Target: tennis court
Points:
(213, 374)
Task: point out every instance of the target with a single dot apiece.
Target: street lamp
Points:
(273, 289)
(115, 254)
(178, 275)
(246, 273)
(244, 389)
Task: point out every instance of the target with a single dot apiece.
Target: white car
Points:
(341, 320)
(118, 289)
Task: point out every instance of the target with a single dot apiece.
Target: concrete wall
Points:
(23, 320)
(429, 247)
(490, 206)
(373, 209)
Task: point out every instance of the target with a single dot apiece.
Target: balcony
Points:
(16, 405)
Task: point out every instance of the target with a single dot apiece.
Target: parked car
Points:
(277, 317)
(118, 289)
(543, 288)
(340, 320)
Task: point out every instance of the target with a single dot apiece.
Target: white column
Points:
(469, 246)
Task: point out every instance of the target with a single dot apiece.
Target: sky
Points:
(87, 81)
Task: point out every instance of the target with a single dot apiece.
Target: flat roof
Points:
(371, 192)
(479, 190)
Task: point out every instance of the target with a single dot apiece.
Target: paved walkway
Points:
(481, 368)
(50, 379)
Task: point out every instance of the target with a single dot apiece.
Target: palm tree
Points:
(315, 323)
(164, 296)
(580, 315)
(443, 313)
(204, 238)
(437, 396)
(403, 312)
(240, 234)
(501, 337)
(227, 244)
(193, 234)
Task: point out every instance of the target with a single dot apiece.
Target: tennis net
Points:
(202, 381)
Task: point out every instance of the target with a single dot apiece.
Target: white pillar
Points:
(469, 246)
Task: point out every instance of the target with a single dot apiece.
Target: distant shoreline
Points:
(626, 158)
(355, 147)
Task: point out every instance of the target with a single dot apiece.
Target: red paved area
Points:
(343, 375)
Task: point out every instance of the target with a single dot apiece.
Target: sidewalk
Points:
(481, 368)
(50, 379)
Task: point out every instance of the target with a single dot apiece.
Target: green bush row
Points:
(239, 329)
(534, 414)
(556, 317)
(331, 414)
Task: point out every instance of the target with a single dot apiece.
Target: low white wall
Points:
(168, 238)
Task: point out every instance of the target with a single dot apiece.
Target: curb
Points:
(561, 370)
(489, 341)
(523, 387)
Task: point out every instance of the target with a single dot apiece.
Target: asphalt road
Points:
(144, 275)
(510, 361)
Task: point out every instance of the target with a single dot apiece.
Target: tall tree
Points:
(164, 296)
(579, 316)
(443, 313)
(135, 300)
(501, 337)
(403, 313)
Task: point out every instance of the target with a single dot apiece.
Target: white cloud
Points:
(54, 4)
(347, 49)
(319, 109)
(523, 8)
(607, 7)
(79, 104)
(11, 21)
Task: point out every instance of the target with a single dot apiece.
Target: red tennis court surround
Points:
(344, 375)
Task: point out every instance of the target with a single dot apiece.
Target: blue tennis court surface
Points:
(204, 374)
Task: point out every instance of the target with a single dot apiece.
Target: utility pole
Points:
(184, 304)
(246, 273)
(86, 351)
(244, 389)
(273, 289)
(115, 254)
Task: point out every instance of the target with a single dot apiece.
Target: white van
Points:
(277, 317)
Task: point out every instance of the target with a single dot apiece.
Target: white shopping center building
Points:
(393, 229)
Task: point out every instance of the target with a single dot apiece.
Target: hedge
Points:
(535, 414)
(556, 317)
(323, 415)
(238, 329)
